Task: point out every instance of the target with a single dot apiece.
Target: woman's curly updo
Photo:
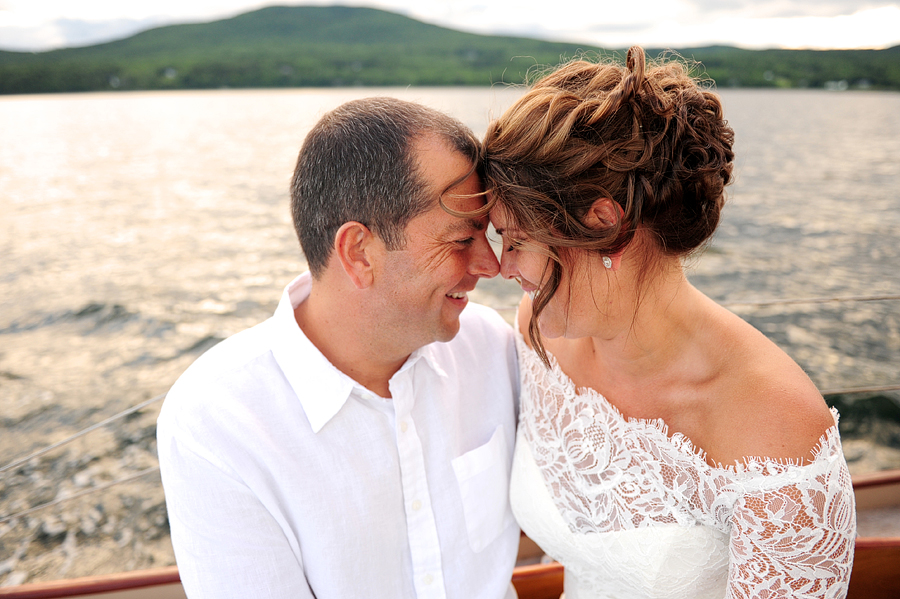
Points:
(648, 137)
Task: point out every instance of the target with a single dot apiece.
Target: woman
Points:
(666, 448)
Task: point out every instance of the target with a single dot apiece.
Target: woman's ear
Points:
(603, 214)
(354, 247)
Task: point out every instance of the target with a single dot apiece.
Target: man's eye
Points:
(466, 242)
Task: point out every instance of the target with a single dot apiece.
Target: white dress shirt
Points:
(286, 478)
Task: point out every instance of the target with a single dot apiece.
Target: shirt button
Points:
(417, 505)
(428, 579)
(403, 426)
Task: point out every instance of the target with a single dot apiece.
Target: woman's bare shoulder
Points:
(771, 408)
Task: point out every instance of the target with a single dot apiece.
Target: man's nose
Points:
(484, 262)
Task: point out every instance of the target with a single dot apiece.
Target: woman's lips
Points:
(530, 289)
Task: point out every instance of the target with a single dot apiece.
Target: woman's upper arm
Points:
(794, 541)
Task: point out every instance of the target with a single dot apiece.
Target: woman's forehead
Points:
(500, 218)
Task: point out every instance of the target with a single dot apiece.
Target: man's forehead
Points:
(440, 164)
(437, 223)
(454, 216)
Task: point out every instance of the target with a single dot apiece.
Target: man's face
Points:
(428, 280)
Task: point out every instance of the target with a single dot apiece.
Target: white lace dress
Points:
(633, 513)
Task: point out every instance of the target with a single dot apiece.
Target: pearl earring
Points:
(607, 261)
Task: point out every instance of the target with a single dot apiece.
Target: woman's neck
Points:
(665, 315)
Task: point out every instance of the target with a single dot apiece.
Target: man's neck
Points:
(340, 330)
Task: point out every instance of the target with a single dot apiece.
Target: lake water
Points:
(138, 229)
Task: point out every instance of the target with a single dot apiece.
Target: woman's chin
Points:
(550, 330)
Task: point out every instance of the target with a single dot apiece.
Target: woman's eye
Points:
(513, 244)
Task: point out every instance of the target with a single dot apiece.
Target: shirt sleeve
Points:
(795, 540)
(227, 544)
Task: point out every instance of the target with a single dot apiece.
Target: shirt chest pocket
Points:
(483, 478)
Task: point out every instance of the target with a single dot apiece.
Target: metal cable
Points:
(153, 469)
(813, 300)
(81, 433)
(849, 390)
(140, 406)
(126, 479)
(782, 302)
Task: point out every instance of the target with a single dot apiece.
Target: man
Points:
(358, 443)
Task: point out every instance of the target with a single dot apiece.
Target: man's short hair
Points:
(357, 164)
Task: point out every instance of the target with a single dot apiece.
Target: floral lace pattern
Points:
(791, 527)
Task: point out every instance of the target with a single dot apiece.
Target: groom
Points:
(357, 443)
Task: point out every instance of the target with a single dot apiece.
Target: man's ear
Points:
(353, 246)
(603, 213)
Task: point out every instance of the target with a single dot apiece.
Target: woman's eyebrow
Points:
(511, 231)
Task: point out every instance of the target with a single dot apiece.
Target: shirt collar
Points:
(321, 388)
(427, 354)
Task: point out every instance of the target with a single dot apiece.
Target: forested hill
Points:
(309, 46)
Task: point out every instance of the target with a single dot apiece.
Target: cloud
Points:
(783, 8)
(45, 24)
(873, 28)
(71, 32)
(30, 39)
(79, 33)
(635, 27)
(685, 25)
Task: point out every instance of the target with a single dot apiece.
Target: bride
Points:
(665, 448)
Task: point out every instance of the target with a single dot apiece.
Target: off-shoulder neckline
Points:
(682, 443)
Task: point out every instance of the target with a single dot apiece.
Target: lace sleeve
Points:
(795, 539)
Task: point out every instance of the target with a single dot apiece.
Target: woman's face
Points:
(528, 262)
(589, 301)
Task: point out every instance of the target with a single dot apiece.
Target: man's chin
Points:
(448, 331)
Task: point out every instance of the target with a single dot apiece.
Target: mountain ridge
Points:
(316, 46)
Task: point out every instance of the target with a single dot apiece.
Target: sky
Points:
(36, 25)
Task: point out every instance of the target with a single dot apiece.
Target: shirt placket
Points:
(421, 526)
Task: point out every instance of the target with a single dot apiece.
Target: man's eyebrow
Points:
(466, 224)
